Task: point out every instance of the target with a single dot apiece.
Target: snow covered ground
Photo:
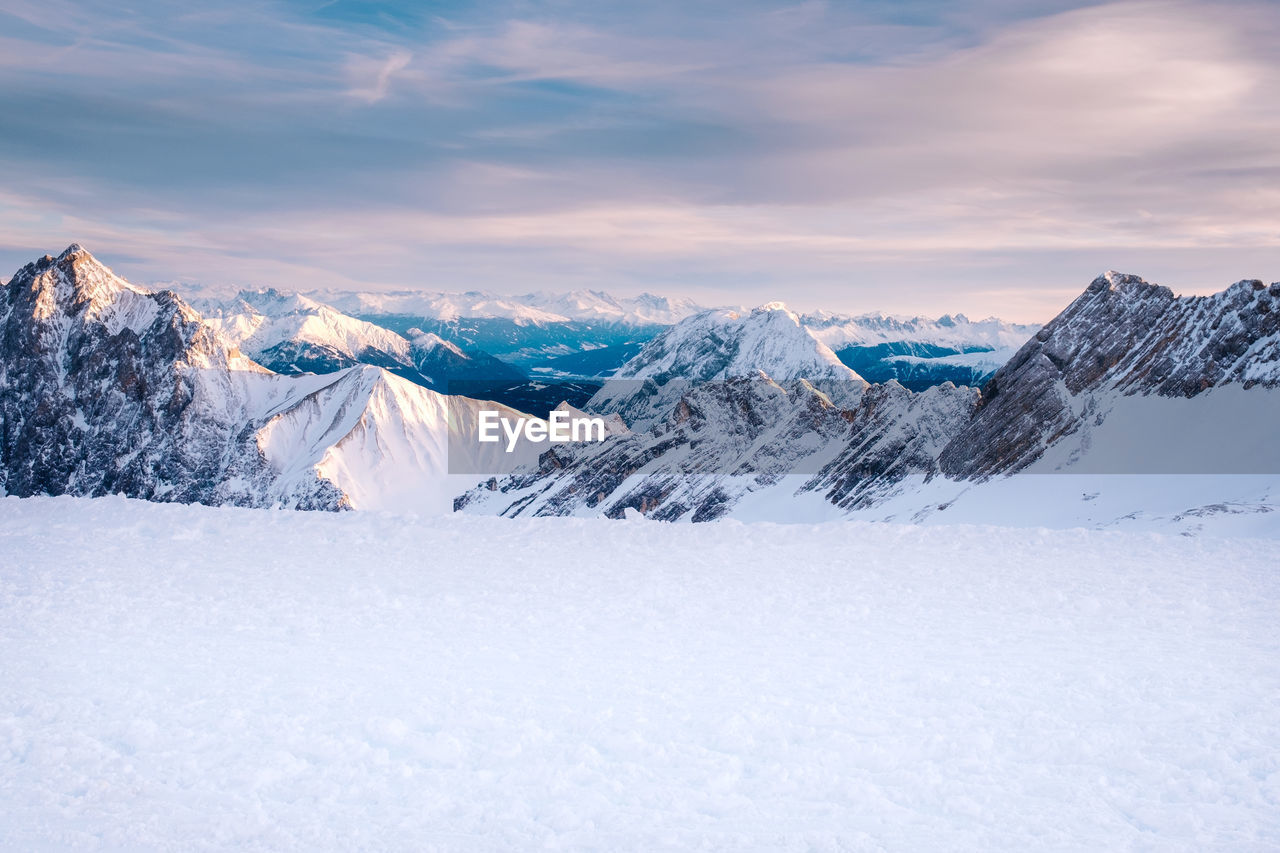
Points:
(187, 678)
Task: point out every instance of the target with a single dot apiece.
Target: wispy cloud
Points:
(859, 156)
(377, 89)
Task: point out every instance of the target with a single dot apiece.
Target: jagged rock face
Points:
(894, 433)
(1122, 336)
(106, 388)
(720, 440)
(726, 439)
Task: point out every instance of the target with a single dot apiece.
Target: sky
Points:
(911, 157)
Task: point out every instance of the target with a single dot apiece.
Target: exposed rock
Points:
(1122, 335)
(107, 388)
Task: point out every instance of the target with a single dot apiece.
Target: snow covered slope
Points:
(1214, 505)
(259, 321)
(722, 439)
(189, 678)
(384, 441)
(108, 388)
(727, 439)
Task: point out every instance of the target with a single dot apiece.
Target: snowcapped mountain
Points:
(291, 333)
(950, 330)
(727, 344)
(108, 388)
(1128, 381)
(587, 334)
(918, 351)
(259, 321)
(720, 345)
(726, 403)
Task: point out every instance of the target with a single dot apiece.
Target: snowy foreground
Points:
(186, 678)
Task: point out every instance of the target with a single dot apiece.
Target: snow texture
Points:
(191, 678)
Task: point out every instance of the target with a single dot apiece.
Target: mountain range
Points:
(581, 336)
(277, 399)
(1129, 380)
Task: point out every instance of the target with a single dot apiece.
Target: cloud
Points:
(827, 148)
(388, 68)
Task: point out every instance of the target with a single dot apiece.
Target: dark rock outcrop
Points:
(1121, 335)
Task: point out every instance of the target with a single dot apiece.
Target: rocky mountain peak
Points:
(1123, 336)
(75, 283)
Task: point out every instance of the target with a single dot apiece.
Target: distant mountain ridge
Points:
(291, 333)
(539, 308)
(588, 335)
(919, 351)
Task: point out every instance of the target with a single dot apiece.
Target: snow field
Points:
(193, 678)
